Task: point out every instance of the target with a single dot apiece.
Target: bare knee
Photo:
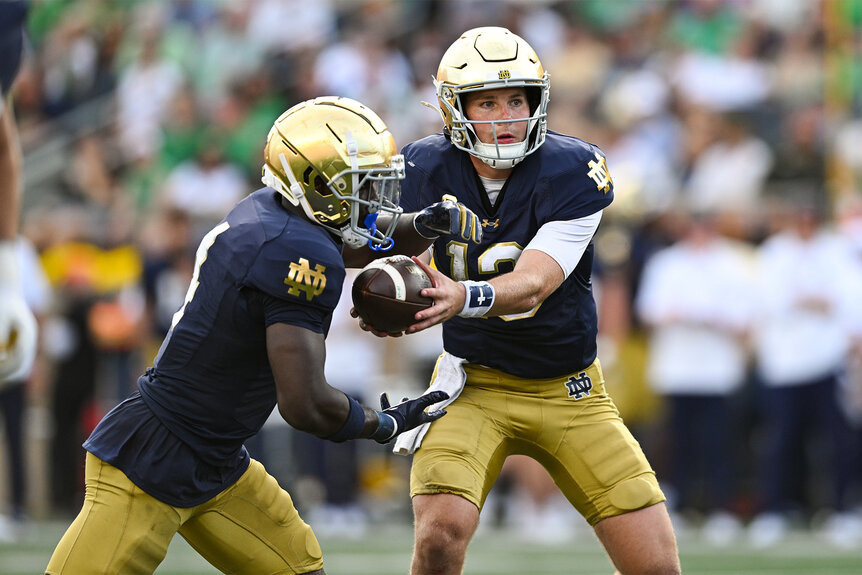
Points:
(444, 526)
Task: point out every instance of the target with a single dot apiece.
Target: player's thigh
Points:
(463, 452)
(641, 541)
(120, 529)
(253, 527)
(592, 455)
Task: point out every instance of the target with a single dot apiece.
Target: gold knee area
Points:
(444, 476)
(635, 493)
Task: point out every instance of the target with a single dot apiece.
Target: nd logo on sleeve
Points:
(599, 173)
(302, 279)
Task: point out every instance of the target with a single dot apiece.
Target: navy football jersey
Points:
(180, 438)
(565, 179)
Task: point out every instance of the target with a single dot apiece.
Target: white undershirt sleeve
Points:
(566, 241)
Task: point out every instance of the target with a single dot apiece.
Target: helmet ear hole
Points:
(320, 186)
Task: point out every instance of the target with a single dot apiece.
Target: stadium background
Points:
(143, 121)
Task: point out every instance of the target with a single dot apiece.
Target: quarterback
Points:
(520, 319)
(250, 336)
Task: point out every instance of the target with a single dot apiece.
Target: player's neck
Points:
(487, 171)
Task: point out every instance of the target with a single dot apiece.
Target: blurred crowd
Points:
(729, 267)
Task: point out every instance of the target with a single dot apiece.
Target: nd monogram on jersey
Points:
(211, 386)
(565, 179)
(304, 280)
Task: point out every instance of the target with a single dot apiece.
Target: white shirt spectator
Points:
(729, 175)
(697, 298)
(144, 92)
(204, 192)
(809, 291)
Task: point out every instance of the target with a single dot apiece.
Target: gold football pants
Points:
(569, 424)
(249, 528)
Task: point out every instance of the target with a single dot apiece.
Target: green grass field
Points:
(387, 552)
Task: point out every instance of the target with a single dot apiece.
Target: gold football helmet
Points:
(335, 158)
(485, 59)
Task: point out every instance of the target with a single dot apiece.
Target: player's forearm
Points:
(10, 176)
(407, 242)
(535, 277)
(516, 293)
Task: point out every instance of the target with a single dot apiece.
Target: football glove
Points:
(448, 218)
(410, 413)
(18, 330)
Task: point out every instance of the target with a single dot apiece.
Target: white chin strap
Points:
(502, 156)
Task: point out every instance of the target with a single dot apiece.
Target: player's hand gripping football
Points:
(448, 218)
(410, 413)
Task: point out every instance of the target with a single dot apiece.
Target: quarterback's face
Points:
(500, 106)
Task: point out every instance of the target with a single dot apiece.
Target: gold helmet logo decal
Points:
(504, 75)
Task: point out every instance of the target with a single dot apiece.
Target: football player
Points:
(250, 336)
(17, 325)
(520, 318)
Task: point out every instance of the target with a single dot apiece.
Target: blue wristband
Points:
(353, 425)
(386, 428)
(480, 298)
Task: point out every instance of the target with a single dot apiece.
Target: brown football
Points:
(386, 293)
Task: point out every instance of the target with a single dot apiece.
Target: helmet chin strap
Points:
(507, 155)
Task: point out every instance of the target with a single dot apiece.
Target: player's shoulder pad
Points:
(429, 153)
(573, 163)
(565, 154)
(296, 259)
(573, 178)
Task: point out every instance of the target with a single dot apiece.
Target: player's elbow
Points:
(303, 419)
(529, 298)
(531, 301)
(311, 416)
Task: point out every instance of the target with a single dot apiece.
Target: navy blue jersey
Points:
(211, 386)
(563, 180)
(13, 17)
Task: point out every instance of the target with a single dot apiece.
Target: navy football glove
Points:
(410, 413)
(448, 218)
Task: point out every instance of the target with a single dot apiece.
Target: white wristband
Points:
(9, 264)
(480, 298)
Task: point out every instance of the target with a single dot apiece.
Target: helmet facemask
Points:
(463, 133)
(365, 192)
(375, 190)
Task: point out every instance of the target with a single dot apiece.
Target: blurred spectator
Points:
(289, 26)
(734, 150)
(223, 52)
(146, 87)
(206, 186)
(695, 296)
(723, 81)
(169, 257)
(809, 286)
